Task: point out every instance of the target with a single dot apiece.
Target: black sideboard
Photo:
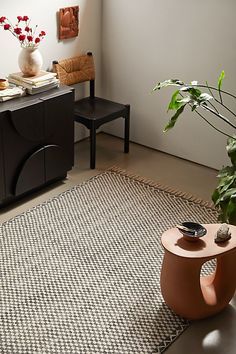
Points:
(36, 141)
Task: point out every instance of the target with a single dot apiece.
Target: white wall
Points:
(148, 41)
(44, 14)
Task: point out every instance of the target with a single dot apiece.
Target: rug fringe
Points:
(165, 188)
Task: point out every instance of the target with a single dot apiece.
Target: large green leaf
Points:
(223, 216)
(220, 79)
(225, 183)
(231, 192)
(166, 83)
(173, 103)
(231, 150)
(205, 97)
(195, 92)
(185, 100)
(231, 210)
(226, 188)
(176, 102)
(173, 120)
(226, 178)
(216, 197)
(226, 171)
(198, 98)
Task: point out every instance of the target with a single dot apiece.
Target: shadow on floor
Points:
(213, 335)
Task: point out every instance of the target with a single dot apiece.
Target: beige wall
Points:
(43, 13)
(148, 41)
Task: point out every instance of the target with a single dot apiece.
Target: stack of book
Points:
(11, 92)
(44, 81)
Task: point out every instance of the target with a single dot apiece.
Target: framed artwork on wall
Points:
(68, 22)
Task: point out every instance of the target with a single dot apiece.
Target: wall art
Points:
(68, 22)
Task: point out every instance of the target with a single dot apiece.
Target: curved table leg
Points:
(192, 296)
(219, 288)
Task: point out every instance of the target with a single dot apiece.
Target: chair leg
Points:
(92, 147)
(127, 124)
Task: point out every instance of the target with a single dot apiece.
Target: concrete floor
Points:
(214, 335)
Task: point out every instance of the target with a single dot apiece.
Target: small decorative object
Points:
(3, 84)
(191, 231)
(68, 22)
(223, 234)
(30, 60)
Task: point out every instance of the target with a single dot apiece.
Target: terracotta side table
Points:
(186, 292)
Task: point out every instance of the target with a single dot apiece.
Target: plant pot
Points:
(30, 61)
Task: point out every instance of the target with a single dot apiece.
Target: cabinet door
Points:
(23, 134)
(59, 130)
(2, 179)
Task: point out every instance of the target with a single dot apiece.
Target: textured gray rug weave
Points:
(80, 273)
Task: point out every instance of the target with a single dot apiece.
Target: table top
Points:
(25, 101)
(173, 241)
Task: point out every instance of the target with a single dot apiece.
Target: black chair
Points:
(91, 111)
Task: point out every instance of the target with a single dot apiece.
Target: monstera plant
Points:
(203, 99)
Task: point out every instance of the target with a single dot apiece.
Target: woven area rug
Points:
(81, 272)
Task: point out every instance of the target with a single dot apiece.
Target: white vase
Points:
(30, 61)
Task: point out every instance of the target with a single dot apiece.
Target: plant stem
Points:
(213, 97)
(214, 106)
(221, 99)
(210, 90)
(217, 129)
(223, 105)
(218, 115)
(34, 30)
(220, 131)
(215, 89)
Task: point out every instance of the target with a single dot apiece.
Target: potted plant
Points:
(213, 101)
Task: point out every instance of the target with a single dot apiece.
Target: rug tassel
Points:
(165, 188)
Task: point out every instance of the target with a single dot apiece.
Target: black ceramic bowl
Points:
(195, 230)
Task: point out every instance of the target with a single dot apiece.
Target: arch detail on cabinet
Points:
(32, 173)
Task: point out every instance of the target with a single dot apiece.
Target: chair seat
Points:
(98, 109)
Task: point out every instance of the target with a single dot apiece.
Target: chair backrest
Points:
(74, 70)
